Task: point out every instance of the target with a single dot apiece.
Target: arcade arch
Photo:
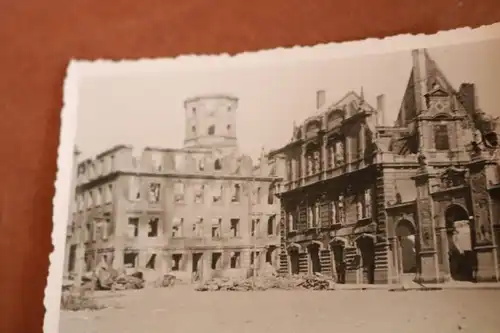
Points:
(405, 232)
(459, 238)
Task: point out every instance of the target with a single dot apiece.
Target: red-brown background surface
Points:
(38, 38)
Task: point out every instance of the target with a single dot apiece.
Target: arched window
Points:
(211, 130)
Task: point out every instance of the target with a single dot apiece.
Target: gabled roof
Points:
(425, 73)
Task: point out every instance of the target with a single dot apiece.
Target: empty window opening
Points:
(154, 192)
(106, 225)
(133, 227)
(258, 195)
(217, 194)
(235, 260)
(176, 261)
(270, 195)
(194, 111)
(235, 227)
(98, 199)
(130, 259)
(199, 193)
(177, 227)
(255, 227)
(236, 193)
(217, 164)
(109, 194)
(135, 189)
(211, 130)
(72, 258)
(179, 192)
(216, 228)
(228, 127)
(88, 231)
(193, 129)
(153, 227)
(270, 226)
(151, 262)
(254, 256)
(197, 228)
(216, 260)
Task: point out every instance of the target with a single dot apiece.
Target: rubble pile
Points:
(164, 281)
(111, 279)
(310, 282)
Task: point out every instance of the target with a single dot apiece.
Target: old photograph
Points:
(290, 195)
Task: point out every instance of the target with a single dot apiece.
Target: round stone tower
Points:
(211, 122)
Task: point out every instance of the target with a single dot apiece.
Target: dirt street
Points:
(183, 310)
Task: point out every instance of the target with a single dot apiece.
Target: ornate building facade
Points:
(418, 200)
(202, 210)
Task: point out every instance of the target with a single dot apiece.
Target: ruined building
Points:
(418, 200)
(202, 210)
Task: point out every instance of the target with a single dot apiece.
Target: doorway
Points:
(406, 251)
(460, 255)
(196, 271)
(270, 255)
(366, 246)
(338, 250)
(313, 250)
(294, 261)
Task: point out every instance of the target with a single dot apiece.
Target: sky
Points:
(147, 109)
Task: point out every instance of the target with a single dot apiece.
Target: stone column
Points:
(442, 233)
(362, 141)
(428, 252)
(324, 154)
(394, 263)
(303, 164)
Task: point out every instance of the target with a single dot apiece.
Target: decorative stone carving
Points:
(481, 210)
(424, 209)
(453, 177)
(422, 160)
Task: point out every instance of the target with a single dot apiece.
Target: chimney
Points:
(420, 73)
(381, 110)
(320, 98)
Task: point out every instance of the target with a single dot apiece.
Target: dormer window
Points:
(441, 138)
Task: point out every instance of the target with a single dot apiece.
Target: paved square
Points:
(184, 310)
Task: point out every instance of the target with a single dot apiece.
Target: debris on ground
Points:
(107, 278)
(310, 282)
(78, 299)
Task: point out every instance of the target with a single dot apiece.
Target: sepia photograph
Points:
(291, 194)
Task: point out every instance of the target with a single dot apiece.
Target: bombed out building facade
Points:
(419, 200)
(201, 210)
